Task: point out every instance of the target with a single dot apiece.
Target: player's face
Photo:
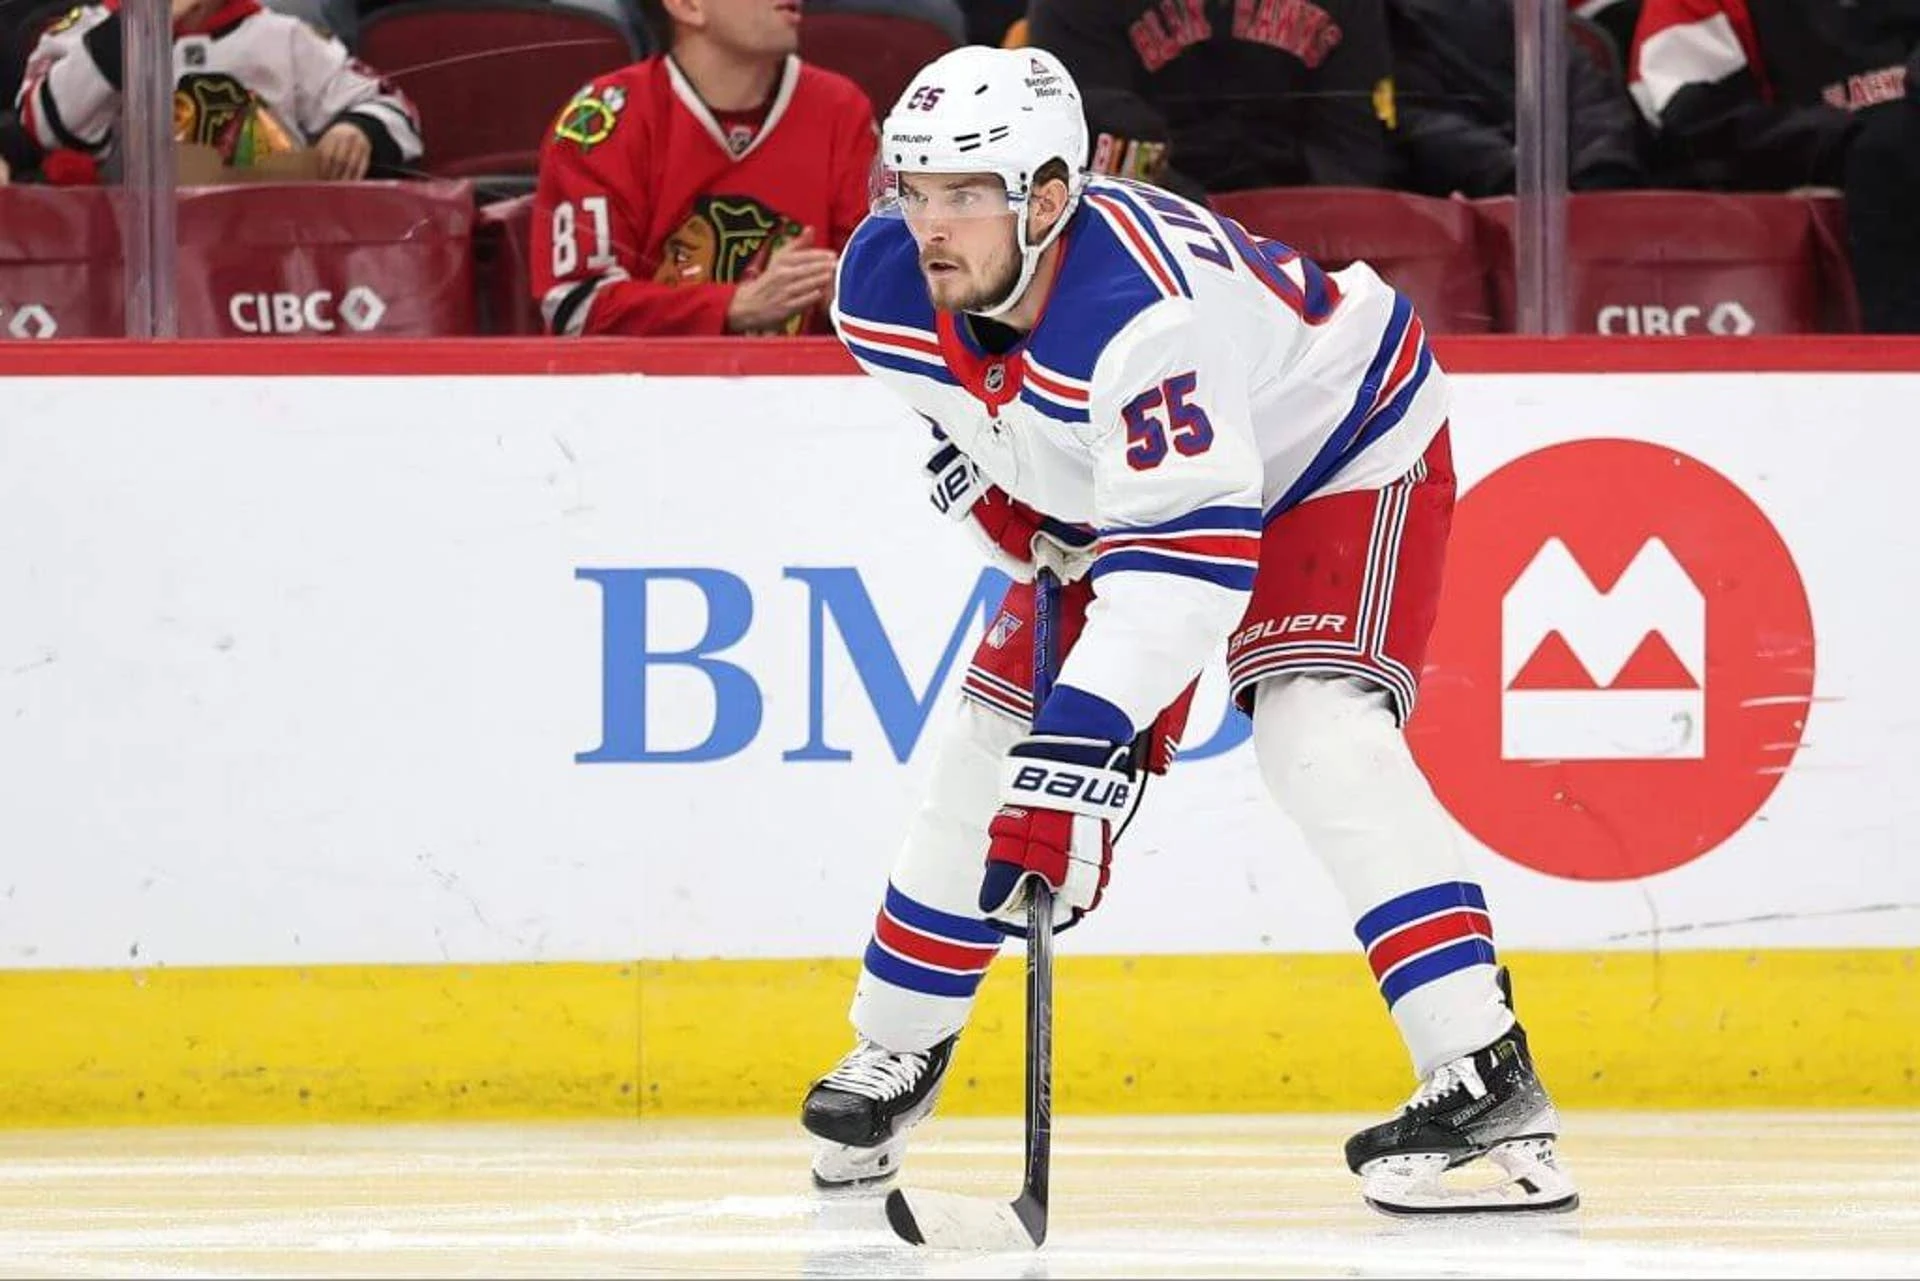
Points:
(965, 229)
(755, 28)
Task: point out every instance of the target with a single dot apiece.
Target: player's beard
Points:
(1001, 276)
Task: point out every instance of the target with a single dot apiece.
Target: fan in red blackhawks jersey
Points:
(704, 191)
(1776, 94)
(1213, 442)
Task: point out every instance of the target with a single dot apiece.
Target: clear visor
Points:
(929, 197)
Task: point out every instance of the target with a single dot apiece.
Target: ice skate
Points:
(1488, 1104)
(862, 1109)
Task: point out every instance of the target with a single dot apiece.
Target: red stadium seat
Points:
(490, 75)
(877, 51)
(365, 259)
(501, 242)
(1839, 301)
(1688, 262)
(60, 272)
(1426, 248)
(256, 259)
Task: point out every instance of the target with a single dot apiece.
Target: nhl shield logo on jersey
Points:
(590, 118)
(996, 378)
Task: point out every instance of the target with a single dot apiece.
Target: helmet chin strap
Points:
(1029, 263)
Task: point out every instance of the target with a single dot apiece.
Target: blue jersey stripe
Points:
(1052, 410)
(1247, 518)
(883, 964)
(1423, 970)
(1390, 415)
(904, 364)
(1237, 578)
(928, 920)
(1328, 459)
(1395, 912)
(1122, 196)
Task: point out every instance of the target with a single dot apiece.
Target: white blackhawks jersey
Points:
(1186, 383)
(246, 55)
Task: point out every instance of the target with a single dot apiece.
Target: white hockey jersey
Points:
(1186, 383)
(247, 80)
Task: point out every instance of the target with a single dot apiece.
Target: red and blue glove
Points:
(1061, 799)
(1014, 534)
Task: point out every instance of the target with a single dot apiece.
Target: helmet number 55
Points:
(1186, 427)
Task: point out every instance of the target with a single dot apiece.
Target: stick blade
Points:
(943, 1221)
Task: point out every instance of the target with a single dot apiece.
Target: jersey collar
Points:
(690, 99)
(994, 380)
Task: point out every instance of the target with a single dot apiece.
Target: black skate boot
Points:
(1489, 1103)
(862, 1109)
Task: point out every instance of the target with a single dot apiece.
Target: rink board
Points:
(1790, 1028)
(499, 730)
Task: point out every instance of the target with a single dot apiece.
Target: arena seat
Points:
(367, 258)
(877, 51)
(489, 76)
(502, 240)
(1427, 248)
(1675, 262)
(60, 264)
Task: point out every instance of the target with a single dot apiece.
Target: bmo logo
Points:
(1727, 319)
(1623, 668)
(311, 313)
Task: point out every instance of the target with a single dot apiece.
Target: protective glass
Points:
(932, 197)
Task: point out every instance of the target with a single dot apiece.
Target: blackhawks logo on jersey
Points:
(218, 111)
(723, 240)
(590, 118)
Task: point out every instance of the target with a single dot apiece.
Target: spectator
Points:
(1259, 93)
(704, 191)
(1453, 76)
(1779, 94)
(254, 84)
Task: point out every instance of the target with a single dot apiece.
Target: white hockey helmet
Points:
(982, 110)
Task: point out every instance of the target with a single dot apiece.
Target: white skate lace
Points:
(877, 1073)
(1447, 1078)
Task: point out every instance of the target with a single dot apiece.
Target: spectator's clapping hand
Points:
(344, 153)
(796, 278)
(6, 174)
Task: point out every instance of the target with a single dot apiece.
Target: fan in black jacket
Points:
(1776, 94)
(1454, 72)
(1222, 95)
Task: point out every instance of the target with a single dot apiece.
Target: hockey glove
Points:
(1017, 537)
(1061, 800)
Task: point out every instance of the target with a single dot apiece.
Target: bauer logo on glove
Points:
(1101, 789)
(1061, 799)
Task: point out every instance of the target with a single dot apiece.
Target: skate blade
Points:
(1529, 1180)
(838, 1168)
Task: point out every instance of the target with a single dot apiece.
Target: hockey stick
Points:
(943, 1220)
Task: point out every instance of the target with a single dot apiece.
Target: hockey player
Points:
(251, 83)
(1210, 437)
